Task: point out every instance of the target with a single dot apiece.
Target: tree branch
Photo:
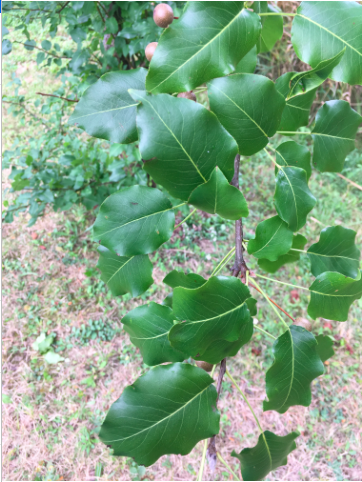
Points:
(58, 96)
(63, 7)
(42, 50)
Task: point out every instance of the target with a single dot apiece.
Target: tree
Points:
(193, 153)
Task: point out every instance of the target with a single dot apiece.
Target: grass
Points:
(52, 412)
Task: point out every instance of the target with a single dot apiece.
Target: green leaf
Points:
(178, 278)
(106, 109)
(208, 41)
(135, 220)
(6, 398)
(249, 107)
(272, 26)
(148, 327)
(220, 349)
(166, 411)
(319, 32)
(332, 295)
(334, 133)
(215, 311)
(269, 453)
(251, 302)
(53, 358)
(43, 343)
(292, 198)
(6, 46)
(272, 239)
(217, 196)
(125, 274)
(296, 364)
(181, 143)
(291, 154)
(248, 63)
(299, 89)
(324, 347)
(111, 25)
(335, 251)
(46, 45)
(299, 242)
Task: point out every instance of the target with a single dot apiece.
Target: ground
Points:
(52, 412)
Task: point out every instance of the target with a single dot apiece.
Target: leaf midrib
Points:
(197, 53)
(188, 323)
(160, 421)
(331, 33)
(270, 239)
(123, 265)
(103, 111)
(332, 256)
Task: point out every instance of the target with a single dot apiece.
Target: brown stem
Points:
(280, 308)
(38, 48)
(63, 7)
(239, 265)
(58, 96)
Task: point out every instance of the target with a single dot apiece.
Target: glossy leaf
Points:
(299, 242)
(248, 63)
(181, 143)
(293, 199)
(322, 30)
(272, 26)
(148, 327)
(215, 311)
(106, 110)
(332, 295)
(272, 239)
(299, 89)
(179, 278)
(292, 154)
(249, 107)
(166, 411)
(324, 347)
(220, 349)
(296, 365)
(335, 251)
(270, 452)
(6, 46)
(334, 133)
(217, 196)
(208, 41)
(124, 274)
(135, 220)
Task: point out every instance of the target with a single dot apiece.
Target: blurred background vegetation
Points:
(65, 355)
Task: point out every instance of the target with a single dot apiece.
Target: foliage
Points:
(184, 146)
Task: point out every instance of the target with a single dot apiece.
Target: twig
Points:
(201, 471)
(38, 48)
(274, 303)
(58, 96)
(63, 7)
(186, 218)
(26, 110)
(227, 466)
(351, 182)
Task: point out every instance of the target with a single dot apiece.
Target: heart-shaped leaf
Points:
(335, 251)
(292, 256)
(217, 196)
(332, 295)
(324, 347)
(319, 34)
(148, 327)
(124, 274)
(272, 239)
(106, 110)
(293, 199)
(269, 453)
(334, 133)
(296, 364)
(181, 143)
(291, 154)
(215, 311)
(166, 411)
(208, 41)
(248, 63)
(249, 107)
(135, 220)
(178, 278)
(272, 26)
(299, 89)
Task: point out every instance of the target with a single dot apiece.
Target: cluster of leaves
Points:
(56, 167)
(193, 152)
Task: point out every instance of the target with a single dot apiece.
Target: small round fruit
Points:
(188, 95)
(163, 15)
(150, 50)
(304, 323)
(204, 365)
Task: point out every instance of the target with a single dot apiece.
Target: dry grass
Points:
(51, 422)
